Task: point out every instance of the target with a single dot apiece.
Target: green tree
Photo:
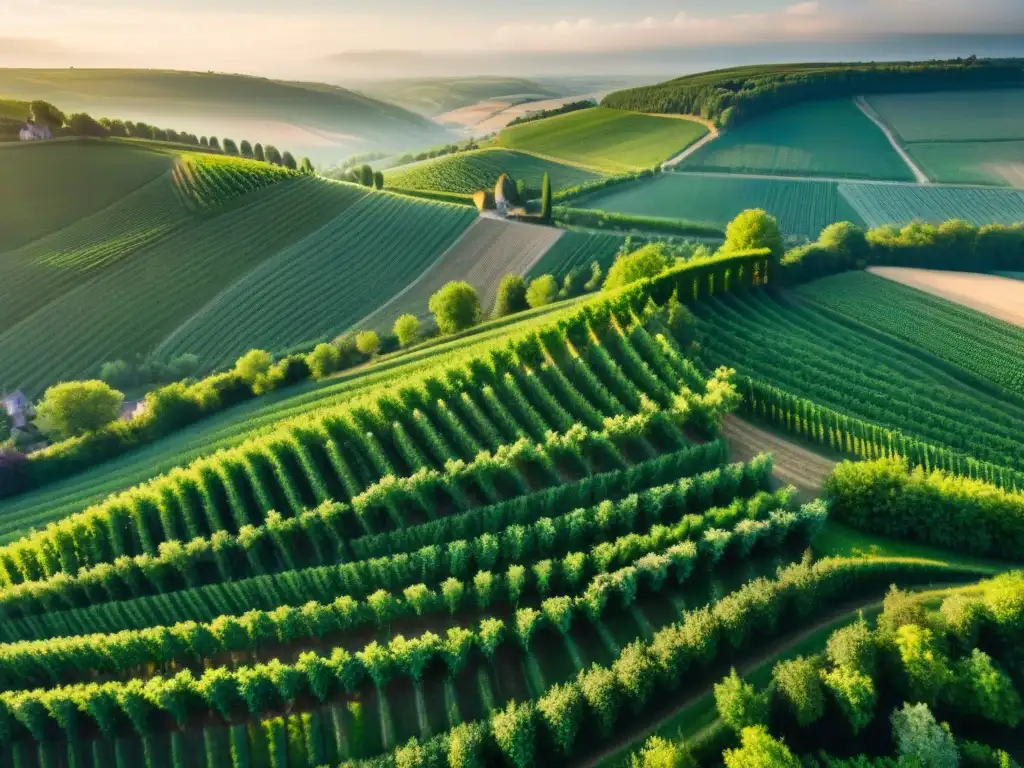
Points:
(513, 729)
(81, 124)
(759, 750)
(5, 426)
(246, 149)
(648, 261)
(799, 684)
(560, 711)
(272, 155)
(406, 330)
(542, 291)
(288, 161)
(917, 735)
(739, 704)
(752, 230)
(44, 113)
(378, 179)
(855, 693)
(230, 148)
(76, 407)
(594, 282)
(661, 753)
(455, 307)
(258, 153)
(366, 176)
(986, 690)
(511, 296)
(853, 647)
(545, 198)
(253, 364)
(368, 343)
(573, 284)
(306, 166)
(214, 143)
(324, 360)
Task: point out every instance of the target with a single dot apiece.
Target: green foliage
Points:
(513, 729)
(253, 364)
(648, 261)
(759, 750)
(455, 307)
(368, 343)
(739, 705)
(324, 360)
(854, 691)
(661, 753)
(753, 230)
(545, 198)
(917, 735)
(798, 683)
(511, 296)
(407, 330)
(542, 291)
(77, 407)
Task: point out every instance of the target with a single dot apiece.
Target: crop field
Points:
(207, 182)
(607, 140)
(970, 340)
(841, 365)
(882, 204)
(76, 179)
(830, 138)
(318, 287)
(469, 172)
(488, 251)
(137, 303)
(961, 137)
(445, 558)
(578, 250)
(803, 207)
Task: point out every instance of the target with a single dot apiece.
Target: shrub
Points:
(406, 330)
(324, 360)
(648, 261)
(799, 685)
(76, 407)
(759, 750)
(917, 735)
(542, 291)
(455, 307)
(753, 230)
(368, 343)
(661, 753)
(253, 364)
(511, 296)
(739, 704)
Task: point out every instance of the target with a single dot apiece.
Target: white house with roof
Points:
(18, 407)
(31, 131)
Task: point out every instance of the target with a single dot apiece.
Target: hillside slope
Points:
(437, 95)
(322, 121)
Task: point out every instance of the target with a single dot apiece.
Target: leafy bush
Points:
(368, 343)
(455, 307)
(648, 261)
(511, 297)
(543, 290)
(407, 330)
(76, 407)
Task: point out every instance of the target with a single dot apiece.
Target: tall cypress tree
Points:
(545, 198)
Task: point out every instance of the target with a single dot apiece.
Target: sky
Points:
(257, 35)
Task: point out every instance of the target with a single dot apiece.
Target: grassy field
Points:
(51, 186)
(468, 172)
(437, 95)
(829, 138)
(881, 204)
(606, 140)
(961, 137)
(136, 303)
(802, 207)
(487, 252)
(969, 340)
(324, 122)
(578, 250)
(320, 285)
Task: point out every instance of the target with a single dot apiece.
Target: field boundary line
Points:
(840, 180)
(422, 276)
(874, 117)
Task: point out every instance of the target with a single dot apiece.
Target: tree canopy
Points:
(752, 230)
(645, 262)
(455, 307)
(73, 408)
(511, 296)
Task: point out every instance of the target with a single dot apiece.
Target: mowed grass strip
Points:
(48, 186)
(468, 172)
(882, 204)
(609, 140)
(322, 284)
(131, 308)
(826, 138)
(996, 115)
(803, 207)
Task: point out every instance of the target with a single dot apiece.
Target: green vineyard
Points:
(207, 182)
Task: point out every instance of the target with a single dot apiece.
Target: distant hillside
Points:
(435, 96)
(322, 121)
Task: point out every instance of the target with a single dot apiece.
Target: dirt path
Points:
(999, 297)
(794, 464)
(672, 162)
(873, 116)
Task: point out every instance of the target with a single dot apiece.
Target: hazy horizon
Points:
(396, 38)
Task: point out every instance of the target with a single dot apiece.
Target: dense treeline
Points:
(874, 690)
(731, 96)
(887, 497)
(572, 106)
(606, 182)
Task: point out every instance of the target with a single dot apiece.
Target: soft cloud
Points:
(804, 9)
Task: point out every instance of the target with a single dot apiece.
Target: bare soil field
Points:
(999, 297)
(795, 465)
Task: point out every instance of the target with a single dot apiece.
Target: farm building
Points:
(35, 132)
(132, 409)
(18, 408)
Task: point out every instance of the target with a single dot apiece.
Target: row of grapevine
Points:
(207, 181)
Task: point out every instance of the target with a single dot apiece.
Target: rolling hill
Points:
(321, 121)
(436, 95)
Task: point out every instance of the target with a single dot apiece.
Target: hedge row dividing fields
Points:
(325, 282)
(132, 306)
(41, 271)
(859, 373)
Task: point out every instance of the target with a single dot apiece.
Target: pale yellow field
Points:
(999, 297)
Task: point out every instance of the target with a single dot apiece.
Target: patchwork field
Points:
(803, 207)
(829, 138)
(881, 204)
(76, 179)
(961, 137)
(578, 250)
(469, 172)
(487, 251)
(317, 287)
(607, 140)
